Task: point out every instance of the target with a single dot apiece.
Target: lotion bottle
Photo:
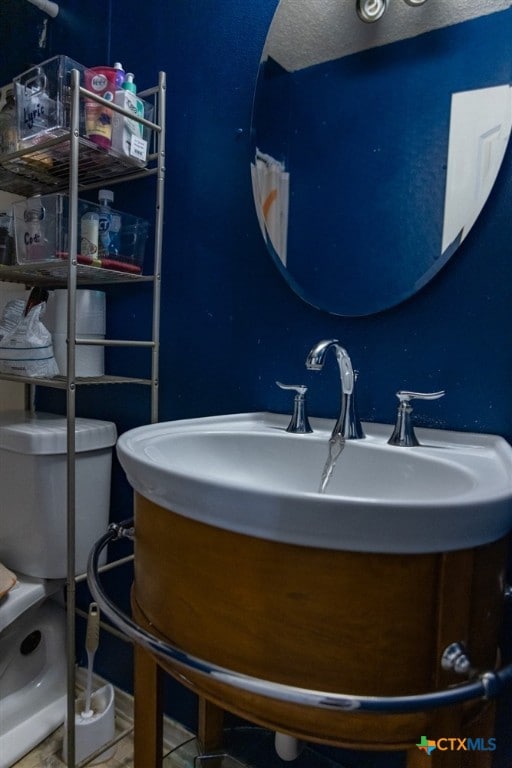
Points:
(127, 134)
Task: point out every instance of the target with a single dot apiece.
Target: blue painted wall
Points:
(230, 324)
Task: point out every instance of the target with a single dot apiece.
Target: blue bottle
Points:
(120, 74)
(109, 225)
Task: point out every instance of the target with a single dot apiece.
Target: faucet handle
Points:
(299, 423)
(403, 433)
(406, 397)
(301, 389)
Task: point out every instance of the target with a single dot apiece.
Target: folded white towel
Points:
(271, 189)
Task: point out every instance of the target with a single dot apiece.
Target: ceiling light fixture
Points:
(372, 10)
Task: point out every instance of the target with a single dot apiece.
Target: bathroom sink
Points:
(245, 473)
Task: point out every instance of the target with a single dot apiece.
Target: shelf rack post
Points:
(71, 412)
(24, 172)
(157, 270)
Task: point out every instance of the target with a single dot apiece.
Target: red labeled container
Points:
(98, 118)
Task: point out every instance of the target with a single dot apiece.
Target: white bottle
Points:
(89, 234)
(127, 134)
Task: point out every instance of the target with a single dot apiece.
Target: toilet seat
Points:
(27, 592)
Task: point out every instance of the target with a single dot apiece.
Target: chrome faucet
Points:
(348, 425)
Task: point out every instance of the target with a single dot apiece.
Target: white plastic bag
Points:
(25, 343)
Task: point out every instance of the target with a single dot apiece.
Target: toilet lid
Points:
(7, 580)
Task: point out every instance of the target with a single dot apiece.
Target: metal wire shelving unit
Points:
(71, 163)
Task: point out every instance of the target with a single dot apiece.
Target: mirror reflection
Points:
(375, 146)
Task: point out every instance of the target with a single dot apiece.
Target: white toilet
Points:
(33, 536)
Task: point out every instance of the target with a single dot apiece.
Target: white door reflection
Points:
(480, 123)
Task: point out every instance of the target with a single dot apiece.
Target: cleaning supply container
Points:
(91, 733)
(94, 711)
(41, 235)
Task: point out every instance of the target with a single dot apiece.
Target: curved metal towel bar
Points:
(487, 685)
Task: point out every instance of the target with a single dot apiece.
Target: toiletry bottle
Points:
(8, 130)
(115, 234)
(89, 234)
(130, 87)
(105, 198)
(120, 74)
(98, 118)
(127, 134)
(109, 225)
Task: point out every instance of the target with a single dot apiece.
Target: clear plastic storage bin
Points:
(41, 231)
(43, 108)
(43, 101)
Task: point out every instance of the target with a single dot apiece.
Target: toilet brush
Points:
(91, 646)
(94, 712)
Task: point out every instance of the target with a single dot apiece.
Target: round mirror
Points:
(376, 145)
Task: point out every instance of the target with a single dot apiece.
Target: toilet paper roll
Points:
(90, 312)
(89, 360)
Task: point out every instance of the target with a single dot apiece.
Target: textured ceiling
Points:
(308, 32)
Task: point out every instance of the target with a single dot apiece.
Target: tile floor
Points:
(254, 750)
(248, 747)
(49, 753)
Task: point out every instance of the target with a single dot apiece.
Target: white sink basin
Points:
(245, 473)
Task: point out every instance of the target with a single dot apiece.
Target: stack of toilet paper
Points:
(90, 323)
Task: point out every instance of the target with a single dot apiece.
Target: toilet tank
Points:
(33, 490)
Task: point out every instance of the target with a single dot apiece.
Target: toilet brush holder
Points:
(92, 732)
